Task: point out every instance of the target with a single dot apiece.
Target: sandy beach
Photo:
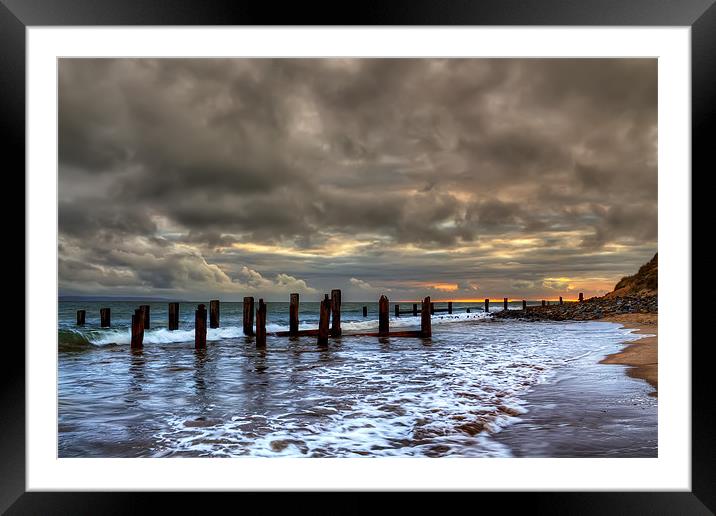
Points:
(642, 355)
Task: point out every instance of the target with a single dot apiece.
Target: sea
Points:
(479, 387)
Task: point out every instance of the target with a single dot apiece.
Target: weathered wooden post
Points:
(173, 322)
(335, 313)
(200, 327)
(383, 324)
(261, 325)
(365, 311)
(145, 315)
(248, 315)
(524, 305)
(415, 309)
(543, 302)
(81, 317)
(560, 300)
(324, 316)
(487, 305)
(432, 308)
(468, 310)
(504, 304)
(104, 317)
(449, 307)
(293, 315)
(137, 341)
(214, 313)
(581, 297)
(425, 322)
(397, 310)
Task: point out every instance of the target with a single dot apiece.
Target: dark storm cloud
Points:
(193, 174)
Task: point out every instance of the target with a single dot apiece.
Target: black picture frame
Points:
(17, 15)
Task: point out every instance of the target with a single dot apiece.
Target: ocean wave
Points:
(77, 338)
(83, 339)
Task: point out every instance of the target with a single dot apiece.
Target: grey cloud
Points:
(194, 155)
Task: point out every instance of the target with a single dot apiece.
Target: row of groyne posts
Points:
(329, 321)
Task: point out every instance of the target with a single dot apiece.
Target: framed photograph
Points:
(411, 249)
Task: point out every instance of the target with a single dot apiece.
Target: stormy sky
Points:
(455, 178)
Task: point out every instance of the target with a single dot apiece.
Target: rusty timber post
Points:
(336, 313)
(261, 325)
(214, 313)
(145, 315)
(425, 322)
(105, 317)
(383, 324)
(137, 329)
(323, 318)
(293, 314)
(173, 320)
(200, 327)
(248, 315)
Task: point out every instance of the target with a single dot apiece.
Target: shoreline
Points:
(641, 356)
(588, 410)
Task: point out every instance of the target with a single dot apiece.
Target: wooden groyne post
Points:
(415, 309)
(504, 304)
(81, 317)
(323, 317)
(581, 297)
(145, 315)
(560, 300)
(397, 310)
(450, 307)
(524, 305)
(543, 302)
(173, 322)
(365, 311)
(425, 323)
(104, 317)
(200, 327)
(383, 324)
(335, 313)
(248, 315)
(214, 313)
(487, 306)
(293, 315)
(137, 329)
(261, 324)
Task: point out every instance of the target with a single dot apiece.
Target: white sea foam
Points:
(361, 397)
(414, 403)
(108, 336)
(159, 335)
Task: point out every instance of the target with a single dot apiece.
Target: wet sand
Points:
(591, 410)
(641, 355)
